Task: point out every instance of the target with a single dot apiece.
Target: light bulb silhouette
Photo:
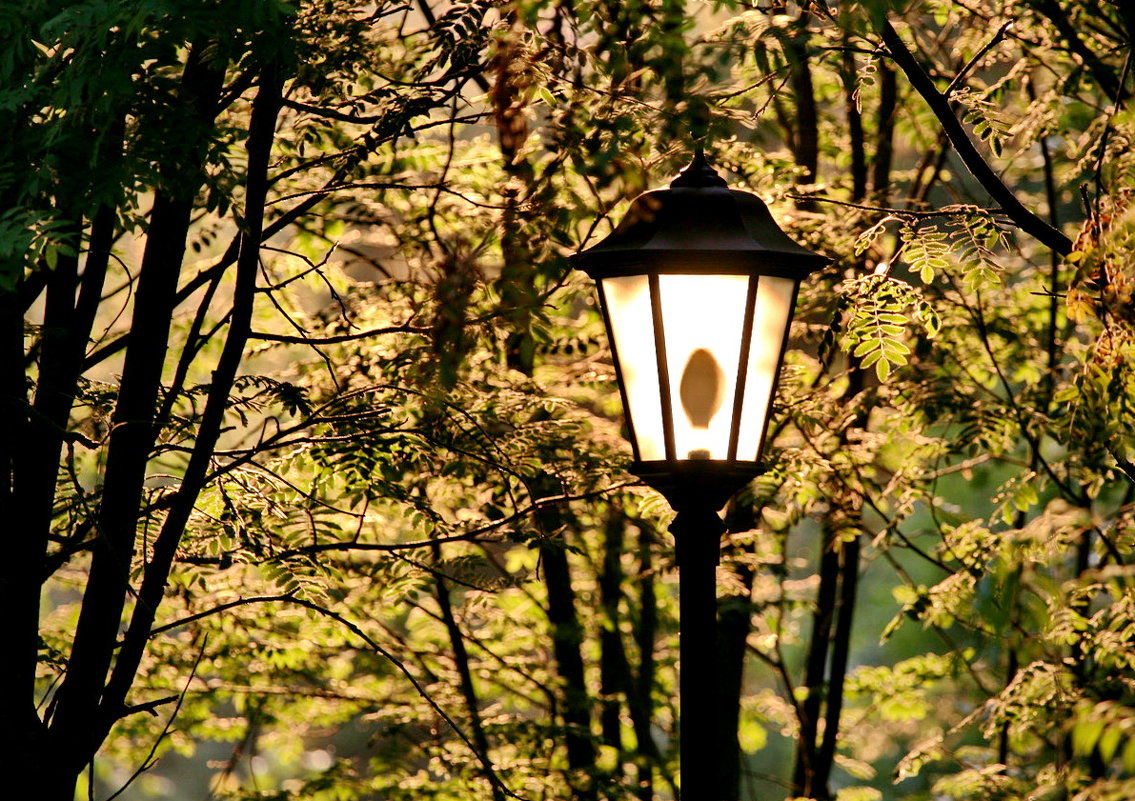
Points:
(702, 391)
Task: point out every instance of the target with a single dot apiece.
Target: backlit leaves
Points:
(882, 307)
(986, 120)
(925, 250)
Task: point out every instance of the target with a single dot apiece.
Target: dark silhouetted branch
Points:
(1025, 219)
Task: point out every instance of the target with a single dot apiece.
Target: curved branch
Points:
(1100, 71)
(1025, 219)
(336, 338)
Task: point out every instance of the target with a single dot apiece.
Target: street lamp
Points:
(697, 286)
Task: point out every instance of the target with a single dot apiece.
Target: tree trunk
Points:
(805, 773)
(613, 658)
(567, 637)
(806, 140)
(73, 734)
(640, 692)
(468, 690)
(884, 136)
(854, 124)
(734, 622)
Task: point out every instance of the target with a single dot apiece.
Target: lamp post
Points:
(697, 286)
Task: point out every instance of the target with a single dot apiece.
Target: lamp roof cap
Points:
(699, 224)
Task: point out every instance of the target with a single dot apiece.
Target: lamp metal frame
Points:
(698, 227)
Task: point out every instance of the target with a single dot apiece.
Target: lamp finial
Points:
(698, 174)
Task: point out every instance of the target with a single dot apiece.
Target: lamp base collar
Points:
(696, 485)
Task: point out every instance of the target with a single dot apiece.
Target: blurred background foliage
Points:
(317, 439)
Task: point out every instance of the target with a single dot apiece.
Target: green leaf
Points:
(1085, 735)
(1109, 742)
(1129, 755)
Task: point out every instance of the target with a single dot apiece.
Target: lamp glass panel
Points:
(632, 324)
(703, 317)
(770, 320)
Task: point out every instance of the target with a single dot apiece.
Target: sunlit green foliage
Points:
(414, 566)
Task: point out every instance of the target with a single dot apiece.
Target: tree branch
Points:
(292, 339)
(1025, 219)
(1103, 75)
(265, 109)
(150, 761)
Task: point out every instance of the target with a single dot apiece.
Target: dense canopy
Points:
(313, 477)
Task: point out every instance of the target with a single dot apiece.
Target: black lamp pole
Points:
(697, 490)
(697, 286)
(697, 536)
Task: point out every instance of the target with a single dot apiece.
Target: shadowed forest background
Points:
(312, 482)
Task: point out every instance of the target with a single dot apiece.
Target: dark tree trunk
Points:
(884, 135)
(567, 637)
(66, 331)
(841, 647)
(468, 690)
(805, 772)
(265, 109)
(19, 584)
(854, 125)
(613, 658)
(806, 139)
(734, 622)
(640, 693)
(75, 725)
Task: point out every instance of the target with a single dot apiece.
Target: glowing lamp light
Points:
(697, 285)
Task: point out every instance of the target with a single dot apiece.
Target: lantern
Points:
(697, 286)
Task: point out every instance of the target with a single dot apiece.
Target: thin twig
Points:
(149, 761)
(964, 71)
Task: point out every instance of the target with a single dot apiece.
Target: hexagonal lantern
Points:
(697, 285)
